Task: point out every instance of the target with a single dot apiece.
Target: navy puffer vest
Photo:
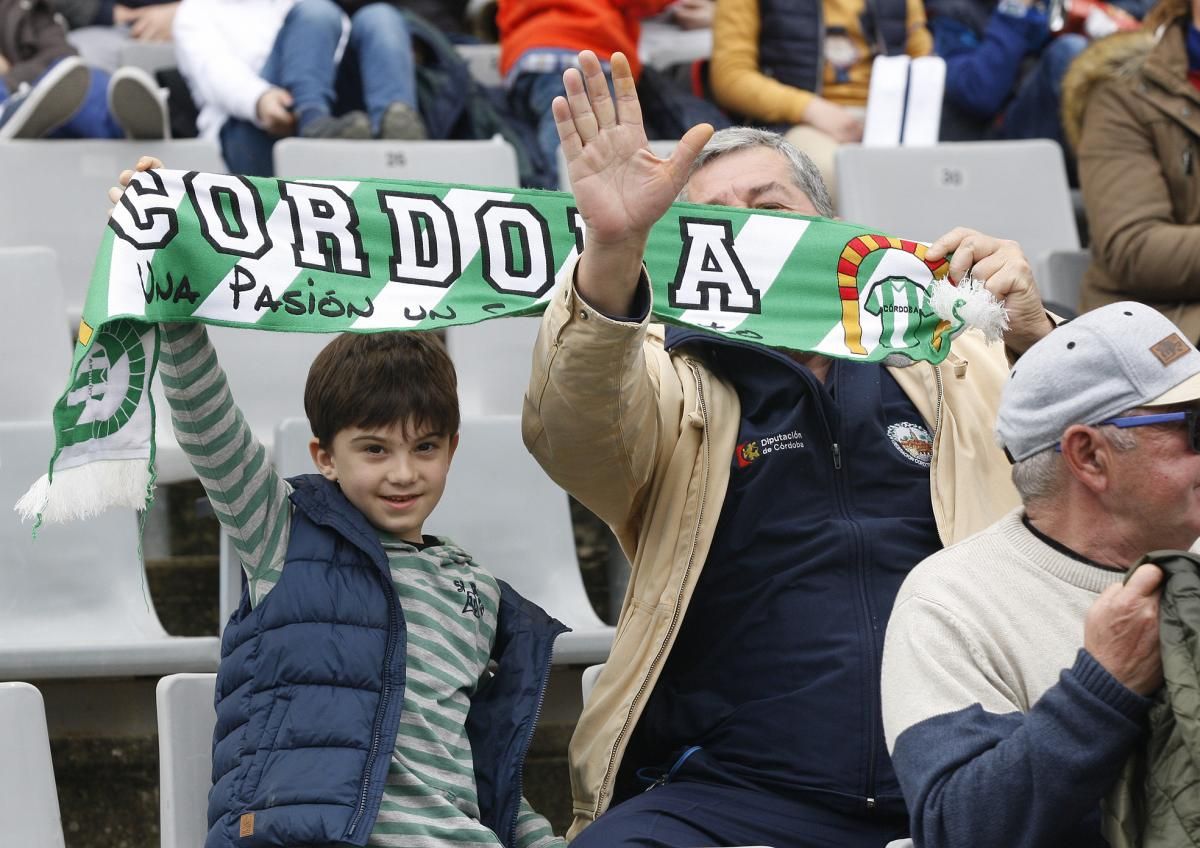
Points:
(791, 43)
(311, 685)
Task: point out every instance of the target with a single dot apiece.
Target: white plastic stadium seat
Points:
(35, 335)
(73, 601)
(491, 162)
(493, 359)
(588, 680)
(56, 195)
(186, 717)
(1062, 281)
(1008, 189)
(150, 56)
(483, 61)
(510, 516)
(29, 814)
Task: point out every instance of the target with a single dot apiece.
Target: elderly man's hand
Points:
(1121, 631)
(621, 188)
(1006, 273)
(146, 163)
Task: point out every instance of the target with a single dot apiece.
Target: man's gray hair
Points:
(1040, 476)
(804, 173)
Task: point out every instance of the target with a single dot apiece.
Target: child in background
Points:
(354, 699)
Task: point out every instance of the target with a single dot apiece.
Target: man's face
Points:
(753, 178)
(394, 475)
(1156, 486)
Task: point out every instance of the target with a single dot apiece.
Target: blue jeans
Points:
(685, 814)
(1034, 111)
(530, 98)
(376, 71)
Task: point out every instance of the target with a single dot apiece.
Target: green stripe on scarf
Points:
(362, 256)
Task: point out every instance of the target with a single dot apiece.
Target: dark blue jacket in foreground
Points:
(311, 686)
(775, 671)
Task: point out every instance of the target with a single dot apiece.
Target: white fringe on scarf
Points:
(86, 490)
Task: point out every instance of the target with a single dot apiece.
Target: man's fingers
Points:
(688, 149)
(947, 244)
(629, 108)
(581, 106)
(597, 89)
(568, 136)
(114, 194)
(1145, 580)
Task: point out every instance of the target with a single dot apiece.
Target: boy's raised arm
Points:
(248, 496)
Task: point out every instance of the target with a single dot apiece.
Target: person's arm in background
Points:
(214, 73)
(1128, 197)
(741, 87)
(982, 70)
(150, 22)
(919, 42)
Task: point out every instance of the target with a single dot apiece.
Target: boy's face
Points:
(394, 475)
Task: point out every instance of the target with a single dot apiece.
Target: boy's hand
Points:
(146, 163)
(275, 112)
(5, 67)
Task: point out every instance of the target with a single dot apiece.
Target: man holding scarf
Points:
(771, 502)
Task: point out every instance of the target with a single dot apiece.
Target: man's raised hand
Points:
(621, 188)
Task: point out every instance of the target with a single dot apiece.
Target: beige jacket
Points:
(643, 438)
(1134, 120)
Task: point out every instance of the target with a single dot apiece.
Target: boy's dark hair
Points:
(379, 380)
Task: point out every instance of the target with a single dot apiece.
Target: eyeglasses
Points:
(1191, 416)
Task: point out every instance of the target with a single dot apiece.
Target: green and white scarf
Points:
(369, 255)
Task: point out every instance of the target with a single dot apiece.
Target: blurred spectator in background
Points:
(1131, 106)
(260, 70)
(100, 28)
(1003, 71)
(46, 90)
(1005, 60)
(539, 39)
(449, 16)
(680, 34)
(806, 64)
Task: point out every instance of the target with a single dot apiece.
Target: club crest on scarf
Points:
(885, 285)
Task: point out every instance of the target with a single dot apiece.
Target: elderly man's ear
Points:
(1088, 456)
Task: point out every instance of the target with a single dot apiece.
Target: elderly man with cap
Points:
(1018, 663)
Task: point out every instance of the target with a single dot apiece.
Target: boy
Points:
(354, 702)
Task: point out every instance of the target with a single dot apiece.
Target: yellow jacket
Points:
(642, 437)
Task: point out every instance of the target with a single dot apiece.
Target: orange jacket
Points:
(603, 26)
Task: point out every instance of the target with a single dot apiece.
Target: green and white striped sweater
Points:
(449, 605)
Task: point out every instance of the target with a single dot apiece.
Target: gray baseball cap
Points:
(1118, 357)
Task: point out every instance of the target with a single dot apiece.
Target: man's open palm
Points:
(620, 187)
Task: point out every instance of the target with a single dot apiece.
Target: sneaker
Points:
(34, 111)
(351, 125)
(401, 121)
(138, 104)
